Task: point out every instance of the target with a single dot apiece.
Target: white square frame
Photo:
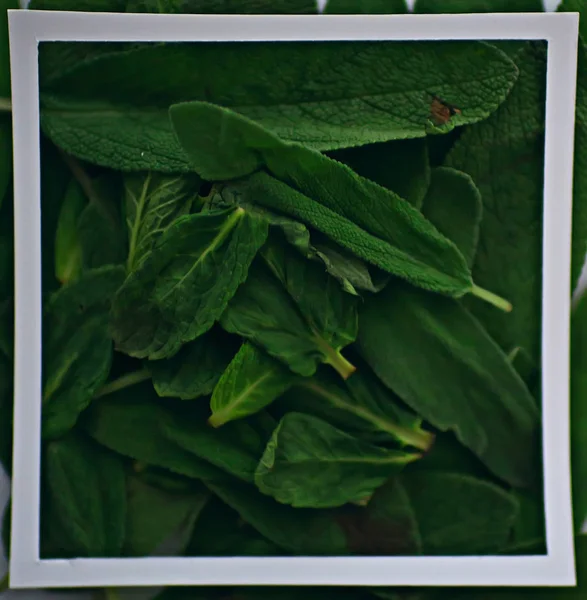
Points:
(557, 567)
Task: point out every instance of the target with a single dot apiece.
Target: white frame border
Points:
(27, 29)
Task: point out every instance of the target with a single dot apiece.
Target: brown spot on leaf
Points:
(441, 111)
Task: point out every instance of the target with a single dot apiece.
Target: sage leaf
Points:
(195, 370)
(96, 112)
(504, 155)
(308, 463)
(86, 498)
(152, 203)
(453, 205)
(462, 383)
(132, 422)
(77, 347)
(251, 382)
(183, 286)
(400, 166)
(176, 515)
(368, 7)
(302, 326)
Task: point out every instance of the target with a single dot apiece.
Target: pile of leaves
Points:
(292, 294)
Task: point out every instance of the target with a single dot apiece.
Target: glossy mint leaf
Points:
(578, 418)
(302, 322)
(462, 382)
(367, 7)
(152, 203)
(477, 6)
(458, 514)
(401, 166)
(504, 155)
(98, 113)
(156, 516)
(362, 406)
(238, 7)
(252, 381)
(68, 246)
(301, 531)
(132, 422)
(86, 498)
(308, 463)
(183, 286)
(372, 222)
(77, 347)
(453, 205)
(195, 370)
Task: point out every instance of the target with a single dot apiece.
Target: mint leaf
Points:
(98, 113)
(357, 7)
(453, 205)
(504, 155)
(308, 463)
(462, 381)
(77, 347)
(183, 286)
(250, 382)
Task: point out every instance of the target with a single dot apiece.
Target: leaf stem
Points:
(340, 364)
(492, 298)
(5, 582)
(123, 382)
(5, 105)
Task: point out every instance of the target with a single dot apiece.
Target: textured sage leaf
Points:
(85, 498)
(458, 514)
(95, 111)
(132, 422)
(302, 320)
(453, 205)
(301, 531)
(238, 7)
(183, 286)
(195, 370)
(362, 406)
(308, 463)
(477, 6)
(400, 166)
(152, 203)
(504, 155)
(462, 381)
(252, 381)
(68, 245)
(578, 418)
(357, 7)
(77, 347)
(156, 516)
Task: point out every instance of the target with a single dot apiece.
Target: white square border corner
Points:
(27, 570)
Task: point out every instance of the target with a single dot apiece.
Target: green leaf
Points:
(5, 157)
(458, 514)
(295, 311)
(195, 370)
(529, 534)
(370, 221)
(98, 113)
(578, 418)
(132, 422)
(301, 531)
(462, 381)
(504, 155)
(453, 205)
(237, 7)
(6, 412)
(251, 382)
(79, 5)
(68, 248)
(576, 6)
(183, 286)
(362, 406)
(308, 463)
(5, 5)
(153, 202)
(477, 6)
(156, 516)
(367, 7)
(401, 166)
(86, 498)
(77, 347)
